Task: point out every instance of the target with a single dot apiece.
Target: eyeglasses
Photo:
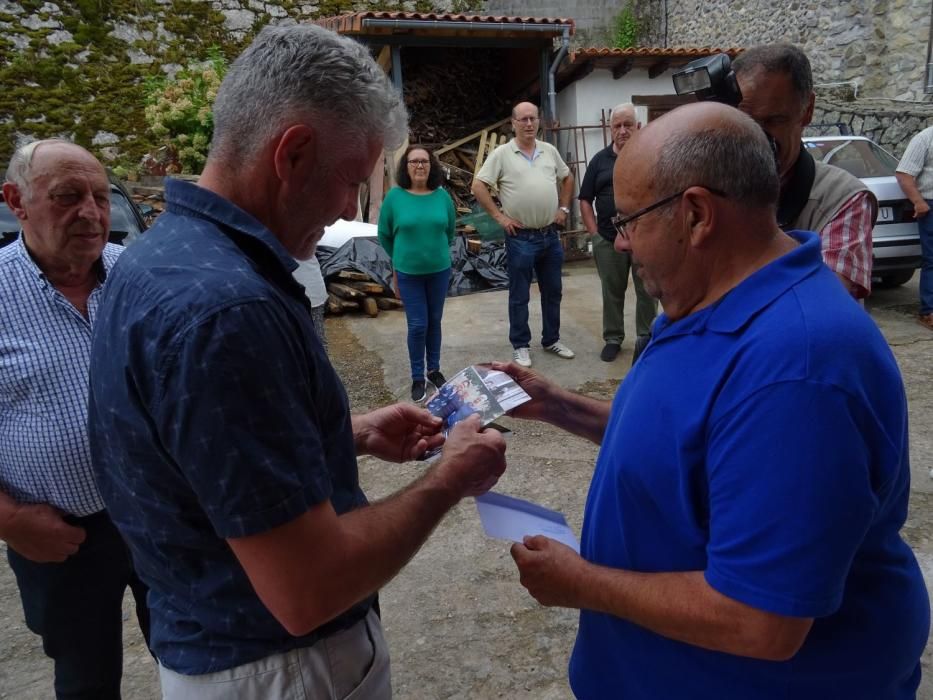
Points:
(619, 222)
(525, 120)
(419, 163)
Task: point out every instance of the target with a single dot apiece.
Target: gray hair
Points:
(779, 58)
(19, 171)
(309, 72)
(733, 157)
(625, 106)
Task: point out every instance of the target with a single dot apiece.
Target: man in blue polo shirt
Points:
(221, 435)
(742, 530)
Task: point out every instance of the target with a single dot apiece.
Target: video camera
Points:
(709, 78)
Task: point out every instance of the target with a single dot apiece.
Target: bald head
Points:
(34, 156)
(706, 144)
(61, 195)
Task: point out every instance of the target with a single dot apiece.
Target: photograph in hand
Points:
(487, 392)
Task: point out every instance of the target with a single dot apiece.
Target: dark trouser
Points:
(926, 269)
(77, 608)
(538, 252)
(423, 297)
(613, 268)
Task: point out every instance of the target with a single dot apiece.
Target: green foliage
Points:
(180, 111)
(626, 28)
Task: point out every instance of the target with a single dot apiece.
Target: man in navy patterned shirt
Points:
(70, 563)
(222, 437)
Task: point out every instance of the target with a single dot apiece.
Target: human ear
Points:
(14, 200)
(699, 214)
(295, 152)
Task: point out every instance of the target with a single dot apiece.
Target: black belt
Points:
(546, 229)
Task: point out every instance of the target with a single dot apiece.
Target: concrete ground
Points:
(458, 623)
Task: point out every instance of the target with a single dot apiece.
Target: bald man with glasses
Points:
(744, 528)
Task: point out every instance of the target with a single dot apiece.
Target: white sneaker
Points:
(522, 356)
(561, 350)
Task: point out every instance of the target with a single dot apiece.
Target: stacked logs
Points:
(351, 290)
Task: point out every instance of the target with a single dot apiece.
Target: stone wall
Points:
(885, 122)
(877, 46)
(78, 68)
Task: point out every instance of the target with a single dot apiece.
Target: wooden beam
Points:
(658, 68)
(385, 59)
(475, 135)
(622, 68)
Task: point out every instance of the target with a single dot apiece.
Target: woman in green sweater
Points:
(416, 227)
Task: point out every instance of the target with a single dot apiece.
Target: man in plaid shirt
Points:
(777, 92)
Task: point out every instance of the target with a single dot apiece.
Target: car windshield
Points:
(858, 157)
(122, 219)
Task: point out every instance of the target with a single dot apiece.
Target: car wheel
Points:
(895, 278)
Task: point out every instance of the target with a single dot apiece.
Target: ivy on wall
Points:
(90, 84)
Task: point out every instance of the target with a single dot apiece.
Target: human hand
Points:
(560, 218)
(921, 209)
(543, 392)
(473, 459)
(552, 572)
(509, 224)
(39, 533)
(397, 433)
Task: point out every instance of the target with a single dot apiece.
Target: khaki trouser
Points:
(349, 665)
(613, 269)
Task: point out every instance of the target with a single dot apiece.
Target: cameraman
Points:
(777, 92)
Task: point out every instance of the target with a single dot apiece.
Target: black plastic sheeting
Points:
(471, 272)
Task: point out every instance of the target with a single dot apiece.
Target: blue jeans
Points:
(926, 269)
(540, 253)
(77, 608)
(423, 296)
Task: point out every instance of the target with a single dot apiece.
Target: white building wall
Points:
(579, 104)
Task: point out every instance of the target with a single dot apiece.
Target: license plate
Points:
(885, 215)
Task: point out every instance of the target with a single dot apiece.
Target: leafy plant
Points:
(179, 111)
(626, 28)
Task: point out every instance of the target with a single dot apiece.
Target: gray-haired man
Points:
(614, 266)
(222, 435)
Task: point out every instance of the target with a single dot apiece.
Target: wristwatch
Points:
(566, 210)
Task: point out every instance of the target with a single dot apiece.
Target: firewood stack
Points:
(357, 291)
(451, 94)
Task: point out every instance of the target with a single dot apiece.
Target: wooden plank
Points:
(367, 287)
(385, 59)
(369, 306)
(460, 142)
(354, 275)
(622, 68)
(345, 292)
(481, 151)
(386, 303)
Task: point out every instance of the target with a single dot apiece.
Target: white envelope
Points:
(509, 518)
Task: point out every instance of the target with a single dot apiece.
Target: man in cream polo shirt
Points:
(534, 186)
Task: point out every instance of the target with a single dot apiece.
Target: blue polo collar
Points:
(732, 312)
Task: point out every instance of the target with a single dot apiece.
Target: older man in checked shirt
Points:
(71, 565)
(777, 92)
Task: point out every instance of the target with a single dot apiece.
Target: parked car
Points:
(127, 219)
(895, 238)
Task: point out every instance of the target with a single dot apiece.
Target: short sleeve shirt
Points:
(918, 161)
(528, 189)
(213, 414)
(762, 441)
(597, 186)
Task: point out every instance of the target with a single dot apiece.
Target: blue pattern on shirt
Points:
(45, 343)
(214, 414)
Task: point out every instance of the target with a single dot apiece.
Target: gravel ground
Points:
(457, 622)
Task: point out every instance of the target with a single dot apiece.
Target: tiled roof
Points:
(353, 23)
(653, 52)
